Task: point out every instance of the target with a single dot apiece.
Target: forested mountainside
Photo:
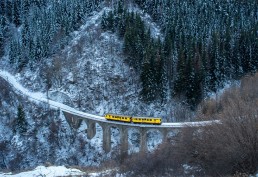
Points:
(203, 43)
(43, 27)
(133, 57)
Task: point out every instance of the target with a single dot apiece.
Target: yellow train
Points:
(137, 120)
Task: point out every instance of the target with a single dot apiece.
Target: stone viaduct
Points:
(75, 121)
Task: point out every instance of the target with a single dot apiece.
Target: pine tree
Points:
(168, 45)
(147, 78)
(21, 124)
(193, 88)
(25, 33)
(104, 21)
(16, 13)
(214, 64)
(182, 74)
(122, 24)
(1, 41)
(227, 54)
(110, 21)
(161, 76)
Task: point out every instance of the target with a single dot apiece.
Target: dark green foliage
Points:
(21, 124)
(147, 79)
(1, 41)
(220, 37)
(204, 44)
(143, 53)
(45, 26)
(104, 21)
(16, 13)
(111, 21)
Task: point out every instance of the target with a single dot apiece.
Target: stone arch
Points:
(156, 134)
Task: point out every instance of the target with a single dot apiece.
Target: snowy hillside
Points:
(49, 138)
(90, 74)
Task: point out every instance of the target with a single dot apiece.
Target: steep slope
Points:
(90, 74)
(48, 137)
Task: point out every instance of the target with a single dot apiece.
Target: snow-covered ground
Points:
(54, 171)
(51, 171)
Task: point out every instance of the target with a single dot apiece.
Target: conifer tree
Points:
(16, 13)
(167, 45)
(227, 54)
(122, 24)
(1, 41)
(110, 21)
(161, 76)
(104, 21)
(149, 86)
(180, 82)
(21, 124)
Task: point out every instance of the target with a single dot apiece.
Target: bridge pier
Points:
(123, 139)
(106, 138)
(91, 129)
(143, 139)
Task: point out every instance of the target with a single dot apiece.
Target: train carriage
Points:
(147, 120)
(117, 117)
(136, 120)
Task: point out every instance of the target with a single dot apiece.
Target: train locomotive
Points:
(132, 119)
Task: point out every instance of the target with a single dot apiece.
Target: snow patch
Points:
(51, 171)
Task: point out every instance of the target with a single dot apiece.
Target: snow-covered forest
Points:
(135, 57)
(203, 44)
